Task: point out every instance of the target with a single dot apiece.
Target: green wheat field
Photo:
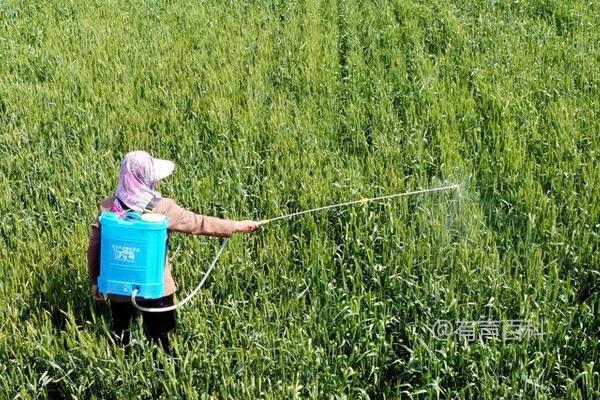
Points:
(271, 107)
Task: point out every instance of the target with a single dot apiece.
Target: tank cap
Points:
(151, 217)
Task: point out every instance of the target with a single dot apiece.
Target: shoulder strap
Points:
(123, 205)
(149, 207)
(152, 204)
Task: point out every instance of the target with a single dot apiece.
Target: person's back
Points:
(140, 173)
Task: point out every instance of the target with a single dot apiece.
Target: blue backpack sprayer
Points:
(134, 249)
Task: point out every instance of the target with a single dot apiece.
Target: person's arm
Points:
(93, 258)
(182, 220)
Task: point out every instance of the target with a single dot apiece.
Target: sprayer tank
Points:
(132, 254)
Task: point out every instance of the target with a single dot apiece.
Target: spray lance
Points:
(267, 221)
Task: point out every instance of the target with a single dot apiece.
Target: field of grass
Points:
(270, 107)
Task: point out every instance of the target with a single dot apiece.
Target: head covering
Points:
(140, 172)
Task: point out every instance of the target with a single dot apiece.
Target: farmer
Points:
(140, 172)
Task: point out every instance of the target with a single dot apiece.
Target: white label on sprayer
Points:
(125, 253)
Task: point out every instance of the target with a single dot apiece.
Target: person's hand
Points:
(95, 294)
(246, 226)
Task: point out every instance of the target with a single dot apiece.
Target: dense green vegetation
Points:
(270, 107)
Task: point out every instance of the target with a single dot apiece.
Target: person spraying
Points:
(136, 192)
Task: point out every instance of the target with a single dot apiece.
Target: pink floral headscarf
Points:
(137, 181)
